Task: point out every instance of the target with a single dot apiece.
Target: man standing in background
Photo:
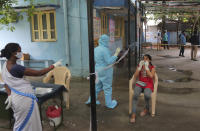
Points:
(159, 39)
(194, 45)
(165, 40)
(183, 43)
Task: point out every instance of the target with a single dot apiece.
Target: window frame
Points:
(104, 23)
(118, 27)
(40, 26)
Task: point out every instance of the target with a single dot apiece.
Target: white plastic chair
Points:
(62, 76)
(153, 95)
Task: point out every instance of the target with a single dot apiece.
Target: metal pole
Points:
(177, 38)
(140, 32)
(145, 26)
(129, 40)
(136, 21)
(139, 43)
(136, 33)
(157, 40)
(143, 11)
(135, 56)
(93, 122)
(145, 23)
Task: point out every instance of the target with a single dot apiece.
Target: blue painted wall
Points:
(37, 50)
(77, 37)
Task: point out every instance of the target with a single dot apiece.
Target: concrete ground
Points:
(177, 109)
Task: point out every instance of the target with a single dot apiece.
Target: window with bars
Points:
(44, 26)
(118, 26)
(104, 24)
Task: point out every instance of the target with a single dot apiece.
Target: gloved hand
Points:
(140, 65)
(117, 51)
(146, 63)
(58, 63)
(96, 78)
(9, 101)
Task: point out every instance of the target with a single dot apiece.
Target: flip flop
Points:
(132, 119)
(144, 112)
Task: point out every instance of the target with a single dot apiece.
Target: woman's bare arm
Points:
(136, 74)
(31, 72)
(7, 90)
(151, 73)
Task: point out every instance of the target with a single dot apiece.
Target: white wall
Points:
(152, 33)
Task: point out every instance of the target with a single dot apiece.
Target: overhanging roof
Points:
(173, 6)
(40, 7)
(110, 3)
(113, 5)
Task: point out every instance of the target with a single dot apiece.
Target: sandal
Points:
(144, 112)
(132, 119)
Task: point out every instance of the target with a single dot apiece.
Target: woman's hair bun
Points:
(3, 53)
(9, 49)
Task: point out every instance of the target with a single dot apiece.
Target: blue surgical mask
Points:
(19, 55)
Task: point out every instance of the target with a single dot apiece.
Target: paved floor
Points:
(178, 105)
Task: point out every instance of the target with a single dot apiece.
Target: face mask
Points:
(19, 55)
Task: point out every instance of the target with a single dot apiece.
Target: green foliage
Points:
(9, 15)
(185, 16)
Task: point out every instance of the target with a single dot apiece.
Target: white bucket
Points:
(56, 120)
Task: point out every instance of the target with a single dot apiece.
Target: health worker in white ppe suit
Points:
(103, 59)
(21, 96)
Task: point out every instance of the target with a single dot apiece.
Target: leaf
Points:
(9, 15)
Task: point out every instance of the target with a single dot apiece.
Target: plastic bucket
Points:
(54, 115)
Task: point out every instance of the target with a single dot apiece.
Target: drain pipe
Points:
(65, 3)
(129, 39)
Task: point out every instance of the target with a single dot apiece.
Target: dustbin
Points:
(54, 115)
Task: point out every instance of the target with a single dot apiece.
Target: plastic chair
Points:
(61, 76)
(153, 95)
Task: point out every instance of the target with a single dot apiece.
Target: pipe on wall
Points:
(81, 44)
(65, 3)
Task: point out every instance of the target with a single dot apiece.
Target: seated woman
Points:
(146, 72)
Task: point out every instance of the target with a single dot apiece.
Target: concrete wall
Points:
(37, 50)
(152, 33)
(77, 37)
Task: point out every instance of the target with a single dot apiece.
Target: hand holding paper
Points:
(117, 51)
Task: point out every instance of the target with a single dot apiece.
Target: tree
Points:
(8, 14)
(186, 16)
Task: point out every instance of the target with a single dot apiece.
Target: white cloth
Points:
(22, 104)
